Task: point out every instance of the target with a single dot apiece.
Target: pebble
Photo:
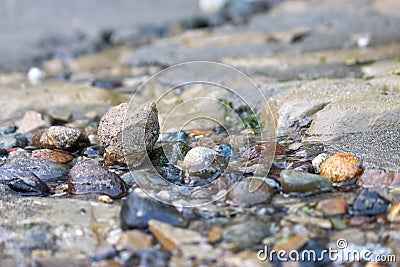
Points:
(52, 155)
(137, 210)
(247, 233)
(89, 177)
(60, 137)
(45, 170)
(23, 181)
(105, 199)
(168, 153)
(31, 121)
(92, 152)
(149, 257)
(225, 150)
(241, 196)
(301, 182)
(134, 240)
(204, 163)
(171, 237)
(295, 242)
(341, 167)
(122, 136)
(265, 150)
(317, 161)
(245, 258)
(215, 234)
(369, 202)
(376, 178)
(394, 213)
(333, 206)
(11, 140)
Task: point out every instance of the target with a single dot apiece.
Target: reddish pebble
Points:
(264, 149)
(52, 155)
(333, 206)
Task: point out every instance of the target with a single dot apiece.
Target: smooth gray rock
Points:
(302, 182)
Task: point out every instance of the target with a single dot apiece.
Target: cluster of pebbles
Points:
(66, 161)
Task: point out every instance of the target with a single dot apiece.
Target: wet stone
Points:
(92, 152)
(369, 202)
(45, 170)
(60, 137)
(137, 210)
(89, 177)
(202, 165)
(305, 183)
(168, 153)
(22, 180)
(241, 196)
(341, 167)
(246, 234)
(8, 141)
(52, 155)
(127, 122)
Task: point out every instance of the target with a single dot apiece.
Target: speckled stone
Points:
(341, 167)
(60, 137)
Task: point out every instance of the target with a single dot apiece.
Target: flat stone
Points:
(52, 155)
(291, 243)
(11, 140)
(245, 258)
(241, 196)
(215, 234)
(138, 210)
(246, 234)
(301, 182)
(373, 112)
(31, 121)
(333, 206)
(134, 240)
(45, 170)
(127, 132)
(172, 237)
(376, 178)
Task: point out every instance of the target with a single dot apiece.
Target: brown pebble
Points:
(295, 242)
(215, 234)
(60, 137)
(134, 240)
(264, 149)
(341, 167)
(394, 213)
(333, 206)
(52, 155)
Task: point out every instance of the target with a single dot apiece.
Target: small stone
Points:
(247, 233)
(127, 132)
(301, 182)
(52, 155)
(105, 199)
(89, 177)
(245, 258)
(171, 237)
(215, 234)
(291, 243)
(333, 206)
(204, 163)
(134, 240)
(21, 180)
(341, 167)
(394, 213)
(369, 203)
(11, 140)
(137, 210)
(265, 150)
(317, 161)
(375, 178)
(60, 137)
(241, 196)
(31, 121)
